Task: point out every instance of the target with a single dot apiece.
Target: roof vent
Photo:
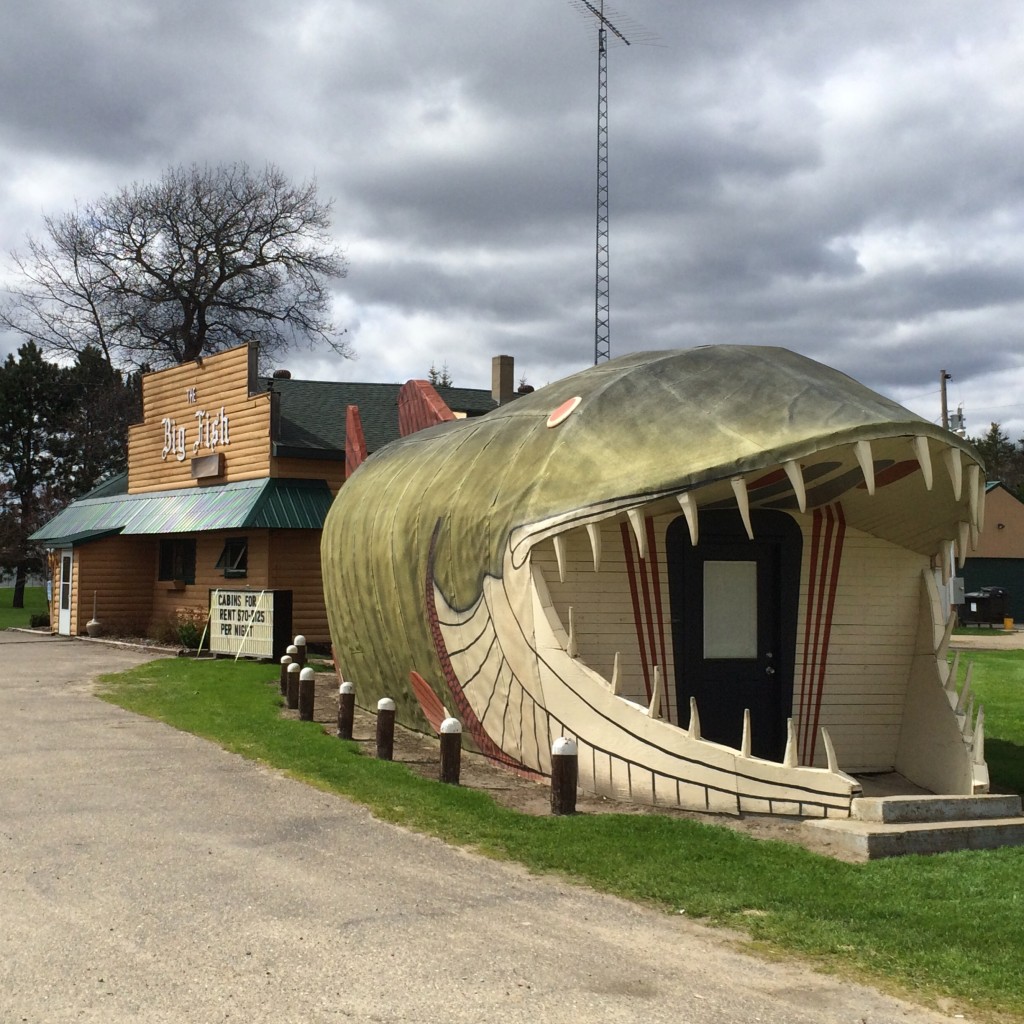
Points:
(282, 375)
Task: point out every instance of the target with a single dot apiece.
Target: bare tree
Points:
(158, 274)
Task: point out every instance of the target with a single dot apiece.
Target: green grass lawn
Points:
(35, 604)
(997, 682)
(950, 925)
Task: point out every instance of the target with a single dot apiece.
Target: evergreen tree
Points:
(1004, 460)
(31, 394)
(62, 430)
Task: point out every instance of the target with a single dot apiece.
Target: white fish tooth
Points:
(689, 507)
(739, 488)
(789, 758)
(956, 470)
(924, 459)
(830, 751)
(966, 691)
(614, 685)
(796, 481)
(862, 449)
(559, 540)
(978, 745)
(963, 539)
(636, 520)
(953, 673)
(594, 533)
(654, 708)
(973, 476)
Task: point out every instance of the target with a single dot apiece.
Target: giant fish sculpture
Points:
(717, 570)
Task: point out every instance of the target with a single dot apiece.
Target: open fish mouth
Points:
(536, 656)
(718, 570)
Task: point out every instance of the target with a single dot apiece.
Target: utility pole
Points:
(943, 377)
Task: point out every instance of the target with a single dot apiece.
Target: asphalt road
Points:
(146, 875)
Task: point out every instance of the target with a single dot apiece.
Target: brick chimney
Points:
(502, 375)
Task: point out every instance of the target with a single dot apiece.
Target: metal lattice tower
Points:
(602, 292)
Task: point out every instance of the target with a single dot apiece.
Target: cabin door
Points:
(64, 592)
(734, 604)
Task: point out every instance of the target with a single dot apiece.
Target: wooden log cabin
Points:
(230, 476)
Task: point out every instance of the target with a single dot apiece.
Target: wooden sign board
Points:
(251, 623)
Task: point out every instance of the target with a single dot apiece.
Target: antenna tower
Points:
(602, 332)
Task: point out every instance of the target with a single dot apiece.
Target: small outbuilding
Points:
(998, 561)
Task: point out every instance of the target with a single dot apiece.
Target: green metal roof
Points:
(246, 504)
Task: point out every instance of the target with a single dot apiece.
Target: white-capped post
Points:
(564, 775)
(385, 729)
(451, 751)
(307, 694)
(346, 710)
(292, 696)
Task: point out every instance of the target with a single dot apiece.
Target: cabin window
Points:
(178, 559)
(234, 559)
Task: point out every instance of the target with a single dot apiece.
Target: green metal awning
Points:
(82, 537)
(246, 504)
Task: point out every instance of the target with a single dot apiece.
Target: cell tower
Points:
(602, 332)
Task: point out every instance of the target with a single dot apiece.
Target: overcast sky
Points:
(840, 177)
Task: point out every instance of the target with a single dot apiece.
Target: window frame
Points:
(234, 558)
(177, 560)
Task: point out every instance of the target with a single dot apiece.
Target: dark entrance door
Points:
(734, 606)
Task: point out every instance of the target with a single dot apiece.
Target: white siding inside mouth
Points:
(870, 643)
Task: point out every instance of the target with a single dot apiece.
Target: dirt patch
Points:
(420, 753)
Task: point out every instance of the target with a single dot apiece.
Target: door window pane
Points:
(65, 583)
(730, 609)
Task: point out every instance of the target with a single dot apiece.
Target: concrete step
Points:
(907, 809)
(869, 840)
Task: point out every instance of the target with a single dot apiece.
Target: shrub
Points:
(184, 628)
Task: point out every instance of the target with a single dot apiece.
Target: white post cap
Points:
(292, 649)
(451, 725)
(347, 687)
(286, 659)
(385, 704)
(307, 673)
(294, 667)
(300, 641)
(564, 746)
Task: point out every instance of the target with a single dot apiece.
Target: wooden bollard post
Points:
(564, 775)
(346, 710)
(307, 694)
(285, 662)
(292, 696)
(300, 648)
(451, 751)
(385, 729)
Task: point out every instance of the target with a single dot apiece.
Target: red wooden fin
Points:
(419, 406)
(430, 704)
(355, 440)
